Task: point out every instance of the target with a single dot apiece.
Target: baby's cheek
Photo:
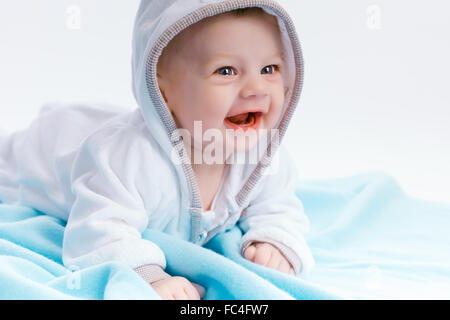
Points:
(215, 110)
(281, 99)
(277, 103)
(275, 115)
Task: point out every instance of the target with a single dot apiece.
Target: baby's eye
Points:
(270, 69)
(226, 71)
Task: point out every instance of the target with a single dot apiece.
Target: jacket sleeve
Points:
(275, 214)
(108, 215)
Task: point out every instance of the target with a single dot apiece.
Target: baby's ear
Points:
(286, 91)
(163, 94)
(161, 86)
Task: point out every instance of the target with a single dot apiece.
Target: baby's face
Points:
(227, 73)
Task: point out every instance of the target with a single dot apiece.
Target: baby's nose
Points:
(255, 86)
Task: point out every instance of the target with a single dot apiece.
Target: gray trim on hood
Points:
(208, 10)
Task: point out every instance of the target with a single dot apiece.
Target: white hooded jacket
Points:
(109, 172)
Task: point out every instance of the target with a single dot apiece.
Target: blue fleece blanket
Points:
(369, 240)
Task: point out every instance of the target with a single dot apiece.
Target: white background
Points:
(376, 94)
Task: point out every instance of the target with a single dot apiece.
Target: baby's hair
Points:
(247, 11)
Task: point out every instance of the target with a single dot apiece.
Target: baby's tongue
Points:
(239, 119)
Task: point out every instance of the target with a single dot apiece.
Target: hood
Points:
(157, 23)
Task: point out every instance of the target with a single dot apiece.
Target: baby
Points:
(232, 69)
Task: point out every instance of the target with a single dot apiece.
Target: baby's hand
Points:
(178, 288)
(266, 254)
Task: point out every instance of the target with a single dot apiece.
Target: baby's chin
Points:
(229, 144)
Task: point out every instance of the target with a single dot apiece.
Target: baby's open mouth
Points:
(245, 120)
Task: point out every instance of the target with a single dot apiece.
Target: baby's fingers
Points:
(263, 255)
(190, 293)
(284, 266)
(201, 291)
(180, 294)
(250, 253)
(164, 293)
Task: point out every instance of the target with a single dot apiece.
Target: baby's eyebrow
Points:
(218, 56)
(279, 55)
